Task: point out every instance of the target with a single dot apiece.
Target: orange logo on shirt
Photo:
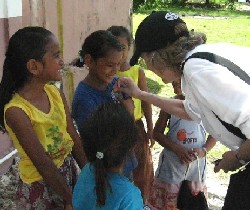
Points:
(181, 135)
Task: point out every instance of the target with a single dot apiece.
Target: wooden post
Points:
(37, 17)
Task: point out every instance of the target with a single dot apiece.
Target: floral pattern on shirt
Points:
(60, 145)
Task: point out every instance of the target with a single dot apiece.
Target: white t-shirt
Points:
(188, 134)
(213, 89)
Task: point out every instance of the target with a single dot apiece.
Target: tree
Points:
(137, 3)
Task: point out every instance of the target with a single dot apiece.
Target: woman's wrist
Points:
(142, 95)
(239, 159)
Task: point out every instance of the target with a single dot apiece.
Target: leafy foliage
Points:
(144, 6)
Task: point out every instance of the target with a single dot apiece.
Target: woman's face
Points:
(165, 73)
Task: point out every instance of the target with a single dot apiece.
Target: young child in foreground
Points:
(143, 174)
(109, 136)
(37, 118)
(183, 142)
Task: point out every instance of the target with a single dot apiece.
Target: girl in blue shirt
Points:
(101, 184)
(101, 54)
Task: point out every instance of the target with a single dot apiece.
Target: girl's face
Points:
(125, 48)
(104, 69)
(166, 74)
(52, 62)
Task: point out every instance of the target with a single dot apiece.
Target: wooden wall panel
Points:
(71, 21)
(82, 17)
(10, 22)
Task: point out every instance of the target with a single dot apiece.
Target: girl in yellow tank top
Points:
(36, 116)
(143, 174)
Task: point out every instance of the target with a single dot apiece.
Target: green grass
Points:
(231, 30)
(156, 85)
(201, 10)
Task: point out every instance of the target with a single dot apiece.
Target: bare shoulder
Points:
(15, 113)
(17, 119)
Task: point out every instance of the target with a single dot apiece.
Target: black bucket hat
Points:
(155, 32)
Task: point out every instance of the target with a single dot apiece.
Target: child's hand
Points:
(184, 154)
(129, 105)
(150, 137)
(69, 207)
(152, 143)
(198, 152)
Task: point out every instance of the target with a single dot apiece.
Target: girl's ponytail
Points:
(78, 62)
(101, 182)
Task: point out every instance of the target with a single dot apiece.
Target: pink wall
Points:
(11, 19)
(71, 21)
(80, 18)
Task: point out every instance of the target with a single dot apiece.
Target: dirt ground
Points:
(216, 187)
(8, 183)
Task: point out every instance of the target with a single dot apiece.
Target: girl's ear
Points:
(33, 66)
(88, 60)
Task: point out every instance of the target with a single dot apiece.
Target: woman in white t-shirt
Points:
(213, 94)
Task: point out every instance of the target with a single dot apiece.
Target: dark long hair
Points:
(97, 44)
(121, 31)
(27, 43)
(110, 130)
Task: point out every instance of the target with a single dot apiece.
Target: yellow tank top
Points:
(50, 129)
(133, 73)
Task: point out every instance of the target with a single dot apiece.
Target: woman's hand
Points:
(228, 162)
(127, 85)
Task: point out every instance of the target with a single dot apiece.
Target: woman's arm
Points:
(146, 107)
(230, 159)
(243, 151)
(21, 125)
(77, 151)
(171, 106)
